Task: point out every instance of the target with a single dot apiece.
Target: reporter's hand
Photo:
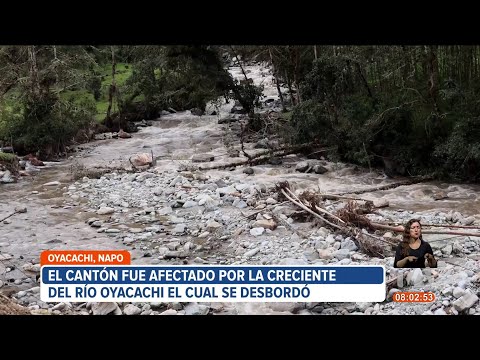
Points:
(411, 258)
(430, 259)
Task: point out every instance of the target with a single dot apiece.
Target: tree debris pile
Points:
(353, 214)
(370, 246)
(349, 220)
(9, 307)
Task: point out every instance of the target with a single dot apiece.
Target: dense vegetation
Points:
(411, 109)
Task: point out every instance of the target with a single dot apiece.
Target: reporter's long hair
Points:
(406, 236)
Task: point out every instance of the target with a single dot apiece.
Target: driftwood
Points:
(450, 233)
(436, 225)
(338, 197)
(391, 283)
(389, 186)
(381, 239)
(454, 263)
(400, 229)
(309, 210)
(351, 219)
(5, 218)
(279, 220)
(450, 226)
(249, 157)
(316, 207)
(368, 246)
(386, 227)
(259, 158)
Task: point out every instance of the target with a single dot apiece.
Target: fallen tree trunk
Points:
(285, 223)
(451, 226)
(389, 186)
(387, 227)
(440, 225)
(259, 158)
(450, 233)
(338, 197)
(6, 217)
(309, 210)
(400, 229)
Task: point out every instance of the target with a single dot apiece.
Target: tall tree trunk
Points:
(290, 90)
(113, 86)
(364, 80)
(432, 72)
(55, 58)
(277, 80)
(296, 74)
(34, 83)
(239, 63)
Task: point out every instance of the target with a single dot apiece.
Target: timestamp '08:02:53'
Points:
(413, 296)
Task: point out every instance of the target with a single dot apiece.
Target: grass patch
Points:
(286, 115)
(102, 107)
(7, 157)
(122, 73)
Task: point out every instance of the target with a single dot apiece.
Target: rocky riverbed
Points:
(173, 213)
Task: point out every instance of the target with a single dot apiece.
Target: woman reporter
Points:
(413, 250)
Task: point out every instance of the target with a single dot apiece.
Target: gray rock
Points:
(212, 225)
(415, 277)
(465, 302)
(342, 254)
(20, 209)
(257, 231)
(165, 211)
(104, 210)
(290, 307)
(175, 254)
(302, 166)
(196, 309)
(169, 312)
(266, 224)
(252, 252)
(59, 306)
(189, 204)
(7, 178)
(380, 203)
(131, 309)
(104, 308)
(468, 221)
(325, 254)
(97, 224)
(203, 158)
(458, 292)
(52, 183)
(291, 261)
(447, 250)
(363, 306)
(179, 229)
(311, 255)
(240, 204)
(439, 311)
(112, 231)
(319, 169)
